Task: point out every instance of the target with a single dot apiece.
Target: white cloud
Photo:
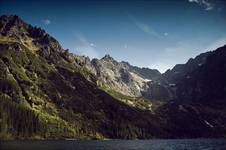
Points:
(208, 5)
(86, 48)
(204, 3)
(92, 45)
(46, 21)
(166, 34)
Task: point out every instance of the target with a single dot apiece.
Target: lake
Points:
(184, 144)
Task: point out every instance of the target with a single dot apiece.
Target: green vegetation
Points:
(137, 102)
(56, 101)
(22, 76)
(17, 121)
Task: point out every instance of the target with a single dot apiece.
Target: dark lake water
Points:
(188, 144)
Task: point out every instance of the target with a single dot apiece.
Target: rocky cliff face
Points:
(119, 76)
(129, 80)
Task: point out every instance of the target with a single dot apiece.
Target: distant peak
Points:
(12, 18)
(13, 25)
(107, 57)
(125, 63)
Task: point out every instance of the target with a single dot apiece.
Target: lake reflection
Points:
(185, 144)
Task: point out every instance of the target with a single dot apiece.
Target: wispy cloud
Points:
(204, 3)
(46, 21)
(143, 26)
(84, 47)
(146, 28)
(92, 45)
(166, 34)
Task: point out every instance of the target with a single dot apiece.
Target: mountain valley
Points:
(46, 92)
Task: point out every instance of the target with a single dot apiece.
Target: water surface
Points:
(185, 144)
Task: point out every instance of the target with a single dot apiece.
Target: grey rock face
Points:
(127, 79)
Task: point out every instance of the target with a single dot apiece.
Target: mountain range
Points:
(46, 92)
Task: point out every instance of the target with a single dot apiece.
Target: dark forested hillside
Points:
(206, 84)
(179, 71)
(201, 98)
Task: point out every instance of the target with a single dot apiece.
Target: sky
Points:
(147, 33)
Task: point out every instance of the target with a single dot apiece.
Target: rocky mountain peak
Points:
(125, 63)
(128, 79)
(14, 29)
(181, 70)
(12, 26)
(107, 57)
(12, 18)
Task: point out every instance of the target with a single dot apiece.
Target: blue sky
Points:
(146, 33)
